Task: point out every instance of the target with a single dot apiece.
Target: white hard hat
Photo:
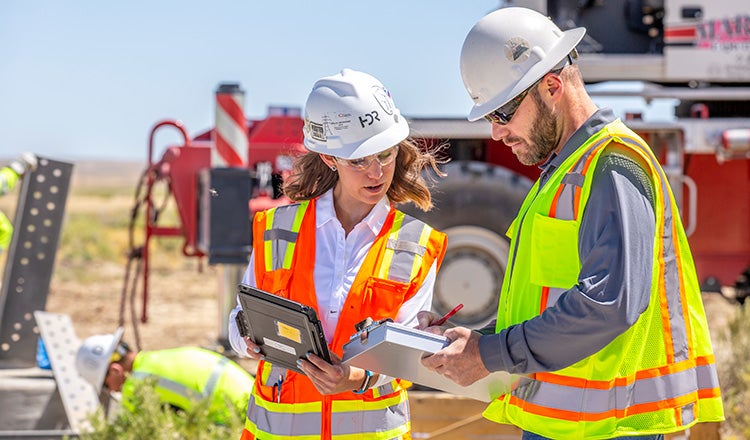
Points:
(352, 115)
(507, 51)
(93, 357)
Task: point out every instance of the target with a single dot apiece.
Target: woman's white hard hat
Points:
(93, 357)
(352, 115)
(507, 51)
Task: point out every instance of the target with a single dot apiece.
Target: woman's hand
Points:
(332, 378)
(253, 350)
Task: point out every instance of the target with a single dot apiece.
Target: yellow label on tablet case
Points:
(289, 332)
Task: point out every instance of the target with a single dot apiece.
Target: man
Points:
(600, 307)
(9, 177)
(184, 375)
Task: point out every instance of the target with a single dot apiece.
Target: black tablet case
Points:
(284, 329)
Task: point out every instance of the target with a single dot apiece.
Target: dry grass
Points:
(90, 267)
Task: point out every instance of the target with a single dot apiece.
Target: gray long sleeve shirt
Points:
(615, 245)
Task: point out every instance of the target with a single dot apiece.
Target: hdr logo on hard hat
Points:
(517, 50)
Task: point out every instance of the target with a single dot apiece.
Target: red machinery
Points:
(191, 181)
(696, 52)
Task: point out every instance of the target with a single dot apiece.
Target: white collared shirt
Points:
(338, 259)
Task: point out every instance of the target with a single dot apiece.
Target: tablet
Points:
(284, 329)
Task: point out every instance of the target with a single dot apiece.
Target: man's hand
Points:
(460, 361)
(425, 319)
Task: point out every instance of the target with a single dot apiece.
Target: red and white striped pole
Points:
(230, 132)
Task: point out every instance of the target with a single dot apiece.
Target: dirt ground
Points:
(183, 302)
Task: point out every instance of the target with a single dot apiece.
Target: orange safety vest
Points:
(393, 271)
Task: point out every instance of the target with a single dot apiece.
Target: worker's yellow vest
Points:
(285, 404)
(8, 180)
(657, 377)
(186, 375)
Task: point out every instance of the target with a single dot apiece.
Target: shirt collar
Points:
(325, 212)
(596, 122)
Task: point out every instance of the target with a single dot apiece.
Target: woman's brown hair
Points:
(311, 177)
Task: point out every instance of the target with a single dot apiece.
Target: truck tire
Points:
(474, 205)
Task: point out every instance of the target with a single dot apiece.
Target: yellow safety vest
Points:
(186, 375)
(657, 377)
(392, 272)
(8, 180)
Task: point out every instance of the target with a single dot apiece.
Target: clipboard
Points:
(284, 329)
(396, 350)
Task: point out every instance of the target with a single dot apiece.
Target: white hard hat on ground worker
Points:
(94, 356)
(509, 50)
(351, 115)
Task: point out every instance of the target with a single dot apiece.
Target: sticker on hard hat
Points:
(316, 131)
(383, 96)
(517, 49)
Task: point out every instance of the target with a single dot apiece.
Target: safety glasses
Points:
(384, 158)
(503, 114)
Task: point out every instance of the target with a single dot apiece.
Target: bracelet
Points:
(365, 383)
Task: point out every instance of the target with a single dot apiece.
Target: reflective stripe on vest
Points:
(348, 417)
(644, 392)
(657, 377)
(407, 244)
(170, 386)
(280, 238)
(183, 390)
(213, 379)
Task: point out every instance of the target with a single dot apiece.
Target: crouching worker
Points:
(184, 375)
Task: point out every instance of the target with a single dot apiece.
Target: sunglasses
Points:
(384, 158)
(503, 114)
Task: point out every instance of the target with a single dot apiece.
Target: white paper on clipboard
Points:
(396, 350)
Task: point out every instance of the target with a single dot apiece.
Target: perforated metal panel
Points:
(30, 260)
(78, 396)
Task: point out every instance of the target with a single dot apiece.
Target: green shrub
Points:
(149, 420)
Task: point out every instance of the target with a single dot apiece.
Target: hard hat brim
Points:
(102, 373)
(567, 43)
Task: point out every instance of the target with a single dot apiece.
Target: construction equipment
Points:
(696, 53)
(34, 404)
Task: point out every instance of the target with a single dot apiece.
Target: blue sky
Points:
(89, 79)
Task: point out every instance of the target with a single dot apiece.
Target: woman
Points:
(345, 250)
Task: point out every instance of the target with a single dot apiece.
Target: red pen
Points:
(445, 317)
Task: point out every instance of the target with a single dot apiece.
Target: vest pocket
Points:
(276, 282)
(384, 297)
(554, 258)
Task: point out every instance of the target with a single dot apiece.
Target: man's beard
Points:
(543, 139)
